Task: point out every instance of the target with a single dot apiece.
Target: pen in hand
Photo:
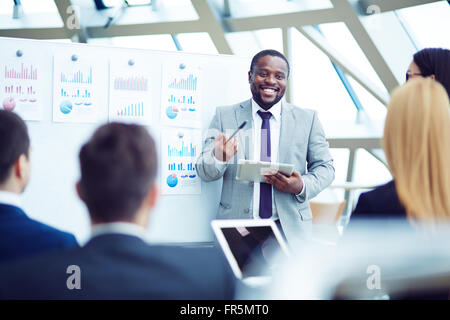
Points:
(237, 130)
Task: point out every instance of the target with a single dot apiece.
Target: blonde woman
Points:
(417, 147)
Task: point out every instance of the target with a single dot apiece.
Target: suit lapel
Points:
(286, 132)
(245, 136)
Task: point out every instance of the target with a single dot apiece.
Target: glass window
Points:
(397, 49)
(342, 40)
(428, 24)
(197, 42)
(269, 39)
(243, 43)
(166, 11)
(245, 8)
(340, 163)
(368, 170)
(248, 43)
(6, 7)
(33, 6)
(152, 42)
(316, 85)
(36, 14)
(372, 106)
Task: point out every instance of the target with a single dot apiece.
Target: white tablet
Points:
(249, 246)
(252, 170)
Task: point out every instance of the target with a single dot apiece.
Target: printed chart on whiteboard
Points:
(129, 93)
(20, 81)
(181, 95)
(179, 150)
(80, 84)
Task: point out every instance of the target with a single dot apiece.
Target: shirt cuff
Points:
(302, 192)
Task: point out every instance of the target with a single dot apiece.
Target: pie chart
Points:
(65, 107)
(171, 113)
(9, 104)
(172, 180)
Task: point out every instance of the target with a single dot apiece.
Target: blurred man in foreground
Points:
(118, 169)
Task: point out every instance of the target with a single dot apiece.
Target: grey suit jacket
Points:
(302, 143)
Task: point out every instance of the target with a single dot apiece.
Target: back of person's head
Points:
(417, 146)
(14, 142)
(118, 168)
(435, 61)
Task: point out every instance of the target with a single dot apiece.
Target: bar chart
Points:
(19, 90)
(182, 99)
(183, 151)
(130, 94)
(189, 83)
(131, 83)
(80, 86)
(76, 93)
(132, 110)
(24, 73)
(181, 96)
(78, 77)
(182, 148)
(181, 166)
(20, 85)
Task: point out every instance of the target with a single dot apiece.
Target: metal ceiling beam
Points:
(345, 10)
(378, 6)
(212, 25)
(283, 20)
(379, 155)
(34, 33)
(322, 43)
(145, 29)
(355, 142)
(71, 21)
(287, 49)
(226, 8)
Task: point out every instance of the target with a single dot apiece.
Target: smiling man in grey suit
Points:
(276, 131)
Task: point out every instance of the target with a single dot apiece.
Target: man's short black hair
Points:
(268, 52)
(14, 141)
(118, 167)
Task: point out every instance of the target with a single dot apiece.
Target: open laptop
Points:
(250, 246)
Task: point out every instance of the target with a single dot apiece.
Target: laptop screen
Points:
(250, 248)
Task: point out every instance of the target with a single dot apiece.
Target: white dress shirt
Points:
(126, 228)
(10, 198)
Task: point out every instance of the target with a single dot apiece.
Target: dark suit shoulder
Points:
(145, 272)
(50, 234)
(382, 201)
(52, 230)
(22, 236)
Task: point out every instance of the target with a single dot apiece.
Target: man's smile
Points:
(269, 90)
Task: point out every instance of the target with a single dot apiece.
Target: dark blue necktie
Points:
(265, 191)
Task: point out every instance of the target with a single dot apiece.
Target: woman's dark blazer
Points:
(382, 202)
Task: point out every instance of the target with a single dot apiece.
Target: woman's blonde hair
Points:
(417, 146)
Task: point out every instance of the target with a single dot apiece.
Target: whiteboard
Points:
(51, 197)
